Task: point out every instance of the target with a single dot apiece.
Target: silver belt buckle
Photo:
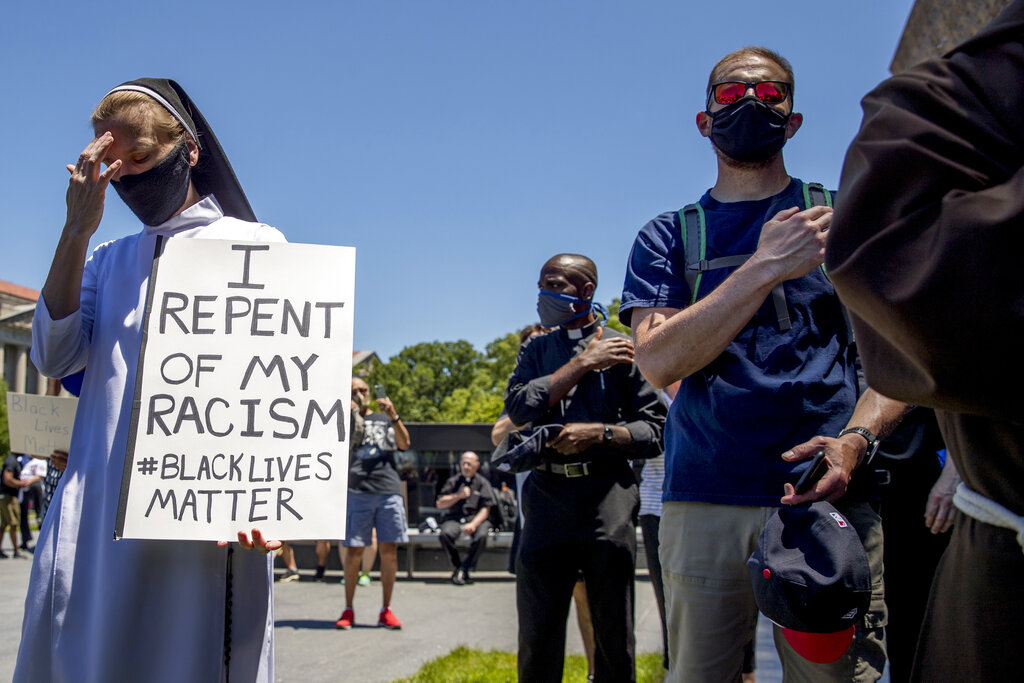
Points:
(576, 469)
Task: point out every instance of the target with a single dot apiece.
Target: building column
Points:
(20, 363)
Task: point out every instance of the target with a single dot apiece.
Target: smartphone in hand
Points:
(812, 474)
(379, 391)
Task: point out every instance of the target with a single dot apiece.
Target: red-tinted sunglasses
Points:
(728, 92)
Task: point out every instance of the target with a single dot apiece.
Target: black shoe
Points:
(459, 577)
(30, 551)
(465, 576)
(3, 555)
(319, 574)
(289, 576)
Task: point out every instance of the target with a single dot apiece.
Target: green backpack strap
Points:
(694, 228)
(815, 194)
(694, 231)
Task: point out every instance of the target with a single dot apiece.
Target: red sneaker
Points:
(388, 619)
(348, 617)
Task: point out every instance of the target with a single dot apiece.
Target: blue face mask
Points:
(556, 309)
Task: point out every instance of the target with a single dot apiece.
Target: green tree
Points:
(501, 359)
(452, 381)
(420, 377)
(449, 381)
(613, 316)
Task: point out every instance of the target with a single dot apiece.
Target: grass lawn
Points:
(463, 665)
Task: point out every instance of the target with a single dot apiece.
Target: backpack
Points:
(506, 509)
(693, 227)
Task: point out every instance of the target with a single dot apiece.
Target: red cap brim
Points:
(820, 648)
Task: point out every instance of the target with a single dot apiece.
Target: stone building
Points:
(17, 304)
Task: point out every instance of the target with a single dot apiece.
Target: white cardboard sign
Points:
(40, 425)
(241, 407)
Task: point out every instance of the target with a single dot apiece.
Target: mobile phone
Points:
(379, 391)
(813, 473)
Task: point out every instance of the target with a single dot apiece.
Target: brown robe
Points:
(926, 249)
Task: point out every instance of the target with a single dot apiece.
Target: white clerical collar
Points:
(202, 213)
(581, 332)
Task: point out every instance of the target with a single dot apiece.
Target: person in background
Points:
(916, 482)
(467, 499)
(374, 501)
(578, 386)
(58, 460)
(323, 551)
(33, 472)
(291, 570)
(652, 477)
(323, 548)
(55, 467)
(502, 427)
(10, 511)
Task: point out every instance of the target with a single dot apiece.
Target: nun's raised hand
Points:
(258, 543)
(88, 185)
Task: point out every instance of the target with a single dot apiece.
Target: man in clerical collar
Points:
(579, 381)
(467, 499)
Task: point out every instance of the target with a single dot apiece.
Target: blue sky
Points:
(456, 144)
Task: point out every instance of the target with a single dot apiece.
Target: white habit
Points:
(129, 610)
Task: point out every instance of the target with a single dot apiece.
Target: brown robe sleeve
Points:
(926, 246)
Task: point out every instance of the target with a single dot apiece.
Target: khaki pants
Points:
(709, 602)
(10, 511)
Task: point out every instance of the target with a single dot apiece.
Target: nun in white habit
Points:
(133, 610)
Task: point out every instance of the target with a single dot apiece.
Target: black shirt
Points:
(618, 395)
(12, 465)
(482, 496)
(372, 467)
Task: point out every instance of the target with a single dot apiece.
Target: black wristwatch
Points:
(868, 436)
(607, 438)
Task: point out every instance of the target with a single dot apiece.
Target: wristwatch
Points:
(868, 436)
(607, 438)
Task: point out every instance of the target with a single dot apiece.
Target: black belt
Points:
(569, 470)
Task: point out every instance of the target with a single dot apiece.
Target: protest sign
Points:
(241, 406)
(40, 425)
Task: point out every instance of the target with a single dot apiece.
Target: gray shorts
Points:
(367, 511)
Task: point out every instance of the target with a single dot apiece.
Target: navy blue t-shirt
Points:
(769, 390)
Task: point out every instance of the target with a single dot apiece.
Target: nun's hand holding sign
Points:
(257, 543)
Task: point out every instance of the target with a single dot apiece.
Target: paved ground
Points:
(437, 616)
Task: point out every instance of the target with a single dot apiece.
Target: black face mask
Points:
(749, 130)
(155, 195)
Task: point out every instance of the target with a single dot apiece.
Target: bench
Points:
(495, 539)
(497, 542)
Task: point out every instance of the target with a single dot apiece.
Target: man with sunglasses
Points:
(755, 333)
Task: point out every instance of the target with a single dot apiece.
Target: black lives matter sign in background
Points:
(241, 406)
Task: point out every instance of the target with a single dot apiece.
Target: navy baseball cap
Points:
(520, 451)
(811, 577)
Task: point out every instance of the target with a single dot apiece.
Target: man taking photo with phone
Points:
(374, 500)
